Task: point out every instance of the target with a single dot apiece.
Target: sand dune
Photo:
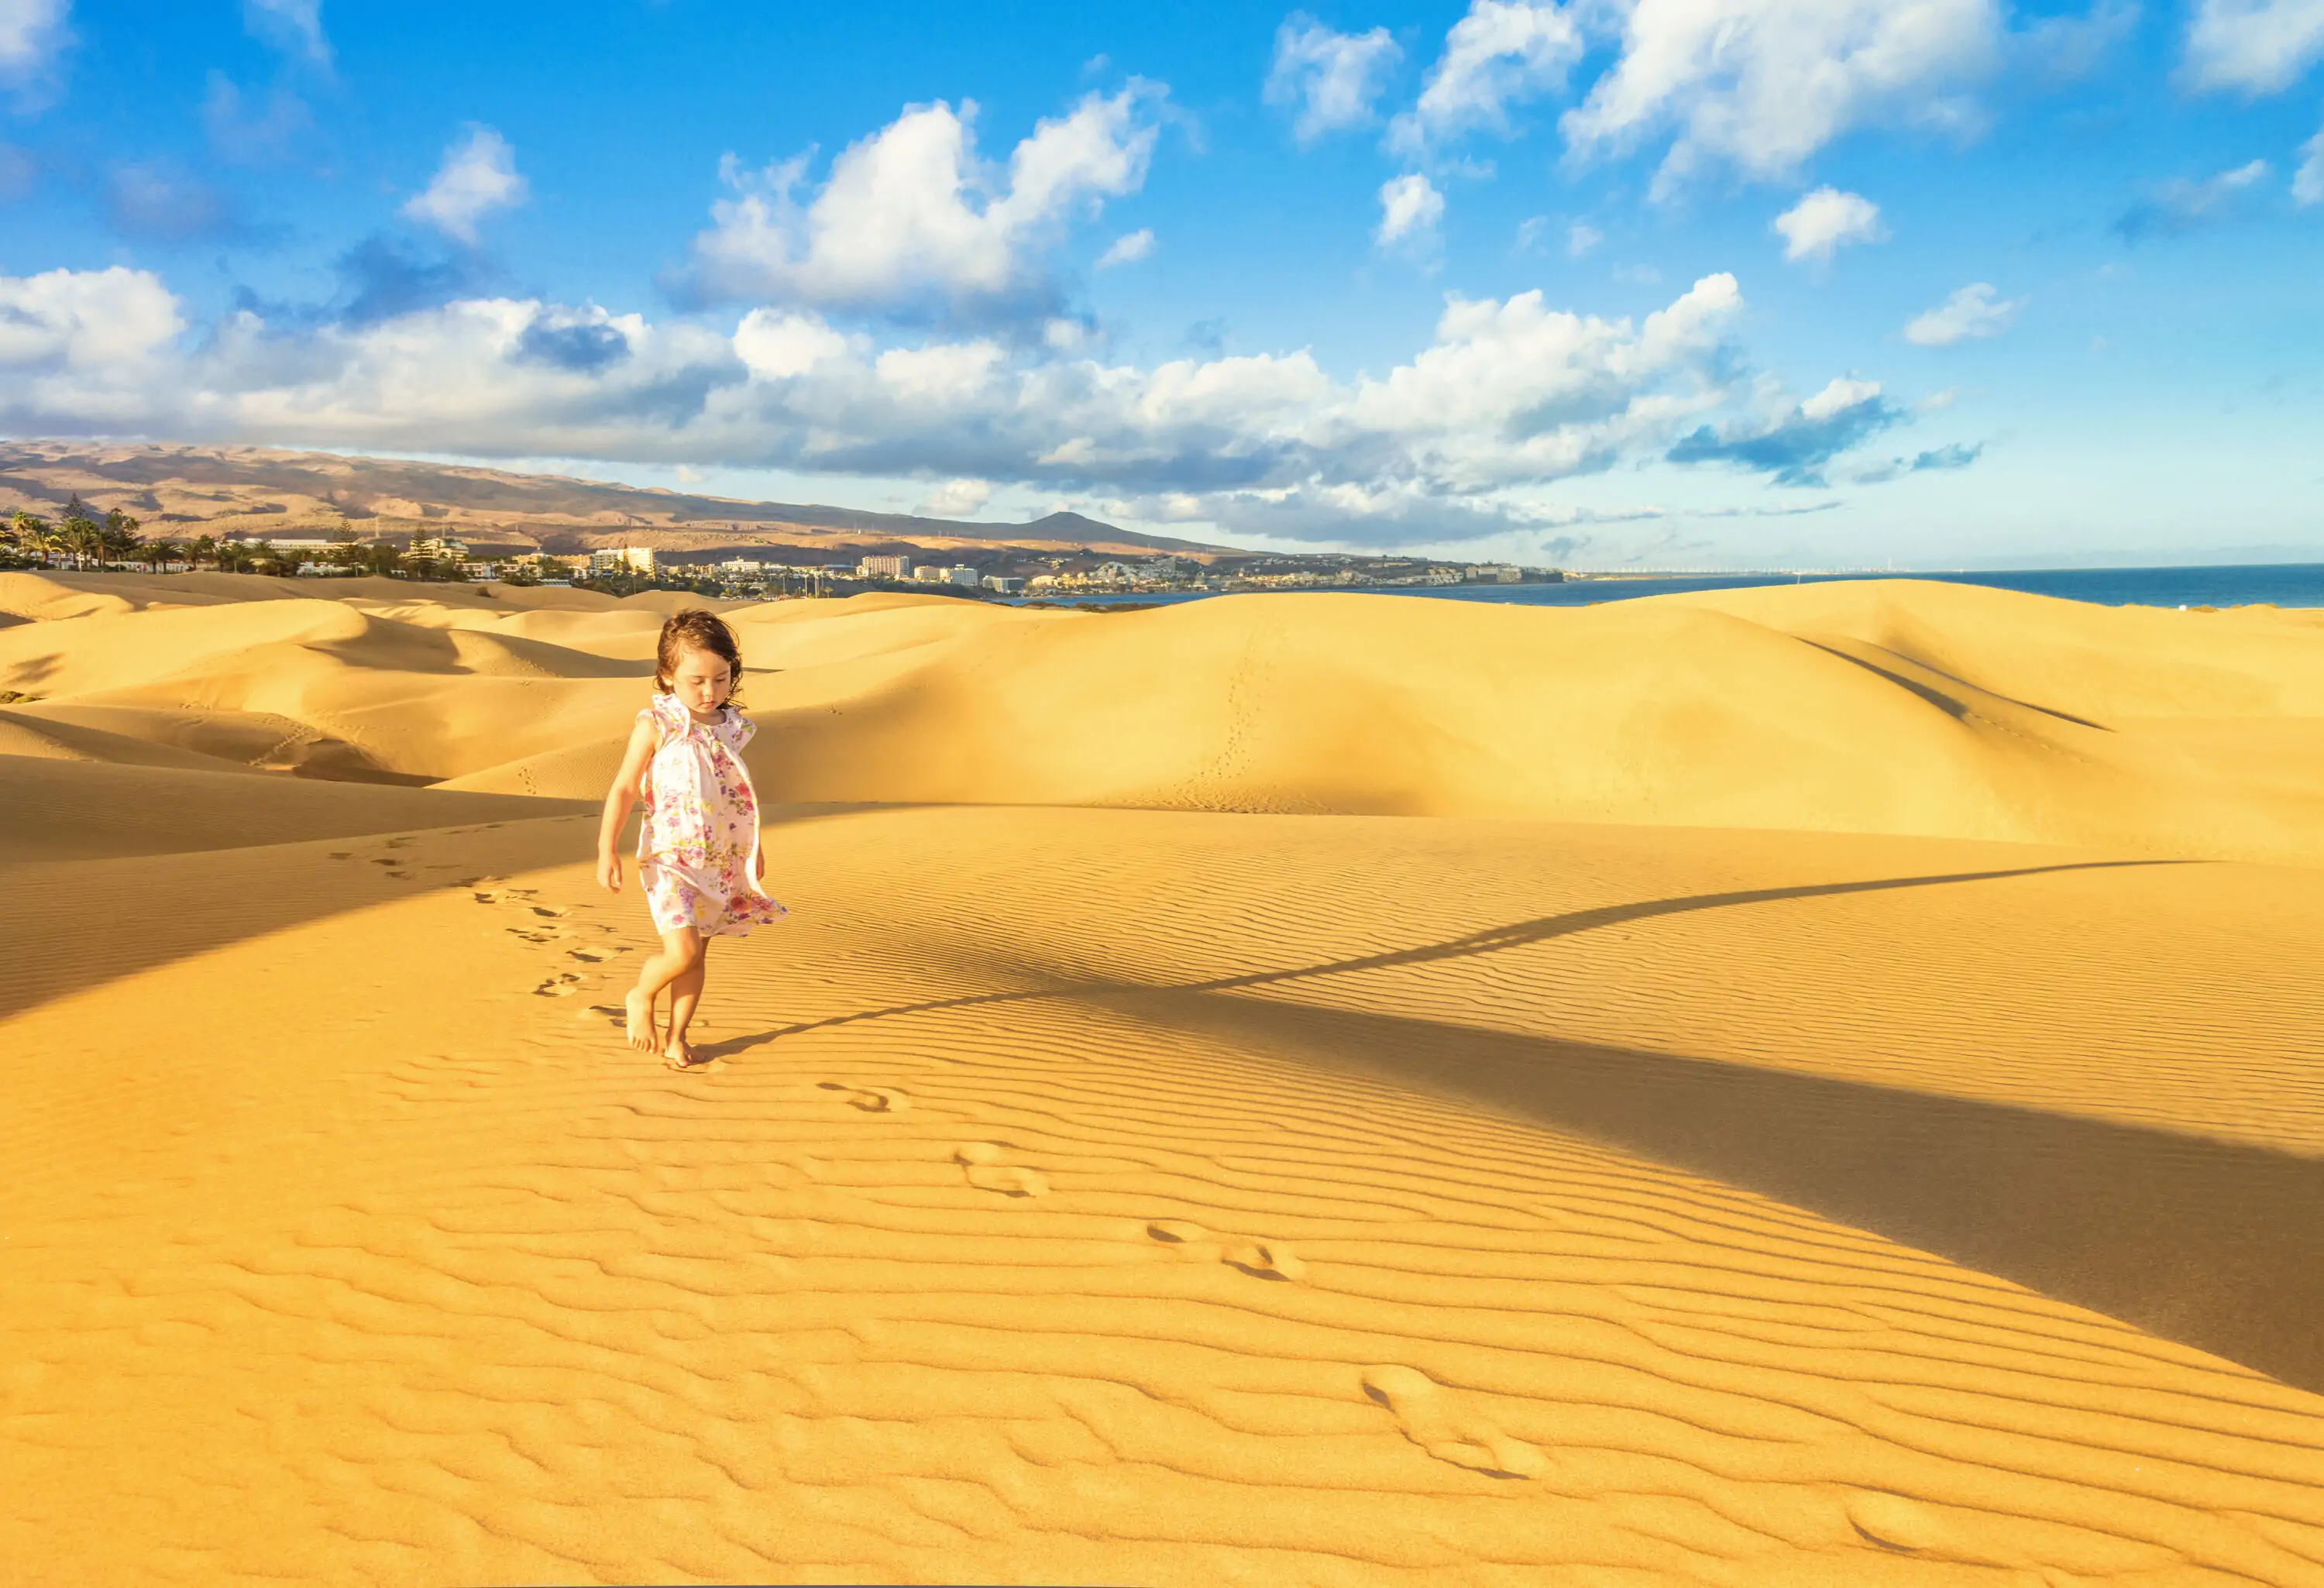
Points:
(1362, 1172)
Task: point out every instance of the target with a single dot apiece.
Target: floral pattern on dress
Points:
(699, 841)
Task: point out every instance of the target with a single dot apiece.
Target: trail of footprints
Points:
(1443, 1421)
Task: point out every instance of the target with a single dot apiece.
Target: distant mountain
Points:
(188, 490)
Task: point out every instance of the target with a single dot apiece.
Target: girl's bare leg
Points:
(680, 948)
(685, 993)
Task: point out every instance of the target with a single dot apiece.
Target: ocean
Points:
(2258, 584)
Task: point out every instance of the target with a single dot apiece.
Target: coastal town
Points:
(80, 538)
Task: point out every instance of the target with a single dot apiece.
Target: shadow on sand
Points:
(2206, 1242)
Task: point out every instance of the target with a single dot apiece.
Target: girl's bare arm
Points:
(628, 786)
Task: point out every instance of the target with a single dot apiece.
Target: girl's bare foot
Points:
(640, 1025)
(680, 1055)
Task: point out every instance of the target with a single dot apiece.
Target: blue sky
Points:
(1642, 282)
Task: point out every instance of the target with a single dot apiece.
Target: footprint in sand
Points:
(1432, 1417)
(871, 1099)
(591, 955)
(551, 910)
(401, 876)
(1265, 1259)
(1262, 1259)
(390, 860)
(560, 985)
(342, 854)
(1913, 1526)
(981, 1162)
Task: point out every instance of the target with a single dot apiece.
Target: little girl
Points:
(698, 857)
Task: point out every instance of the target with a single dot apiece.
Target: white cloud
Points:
(292, 26)
(2308, 181)
(1410, 207)
(1128, 249)
(955, 499)
(1582, 238)
(1968, 315)
(1826, 221)
(1501, 52)
(910, 219)
(1838, 394)
(478, 177)
(1332, 77)
(33, 35)
(1507, 396)
(1764, 83)
(2259, 46)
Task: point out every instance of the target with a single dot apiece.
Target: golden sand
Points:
(1807, 1085)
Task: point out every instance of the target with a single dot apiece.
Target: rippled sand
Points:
(1393, 1171)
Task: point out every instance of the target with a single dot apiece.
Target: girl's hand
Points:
(609, 871)
(759, 866)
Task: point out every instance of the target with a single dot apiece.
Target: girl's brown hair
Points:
(696, 629)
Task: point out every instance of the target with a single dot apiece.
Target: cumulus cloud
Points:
(956, 498)
(909, 220)
(1793, 445)
(2256, 46)
(478, 177)
(2308, 181)
(1128, 249)
(33, 35)
(1501, 52)
(295, 27)
(1330, 78)
(1826, 221)
(1763, 84)
(2181, 206)
(1410, 207)
(1969, 315)
(1507, 396)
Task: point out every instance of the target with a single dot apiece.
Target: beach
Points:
(1803, 1085)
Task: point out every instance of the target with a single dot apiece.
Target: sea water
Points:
(2275, 583)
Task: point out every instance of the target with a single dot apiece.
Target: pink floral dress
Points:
(698, 843)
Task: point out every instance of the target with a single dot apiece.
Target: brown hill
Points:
(185, 490)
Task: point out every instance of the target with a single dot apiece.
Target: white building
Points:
(885, 567)
(928, 573)
(964, 576)
(615, 559)
(425, 545)
(1004, 584)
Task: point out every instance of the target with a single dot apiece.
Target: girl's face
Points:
(702, 680)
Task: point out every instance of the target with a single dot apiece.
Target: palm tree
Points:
(80, 536)
(204, 548)
(31, 534)
(78, 530)
(118, 537)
